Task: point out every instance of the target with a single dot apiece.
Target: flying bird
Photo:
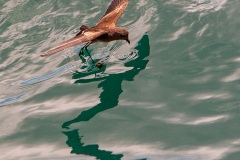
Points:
(104, 31)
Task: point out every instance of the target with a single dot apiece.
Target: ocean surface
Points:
(172, 94)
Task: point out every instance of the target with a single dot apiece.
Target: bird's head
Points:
(127, 39)
(124, 34)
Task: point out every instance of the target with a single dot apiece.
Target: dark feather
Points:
(82, 28)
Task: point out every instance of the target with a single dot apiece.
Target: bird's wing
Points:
(85, 37)
(113, 13)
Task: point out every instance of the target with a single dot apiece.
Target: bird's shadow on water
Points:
(109, 98)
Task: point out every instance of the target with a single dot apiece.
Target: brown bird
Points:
(104, 31)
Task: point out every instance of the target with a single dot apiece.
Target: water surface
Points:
(173, 94)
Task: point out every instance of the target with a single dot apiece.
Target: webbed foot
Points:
(80, 53)
(99, 64)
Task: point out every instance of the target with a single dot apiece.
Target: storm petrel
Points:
(104, 31)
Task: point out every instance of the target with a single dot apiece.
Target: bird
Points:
(104, 31)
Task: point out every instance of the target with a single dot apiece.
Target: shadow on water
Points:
(109, 98)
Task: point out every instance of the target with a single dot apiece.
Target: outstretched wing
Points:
(85, 37)
(113, 13)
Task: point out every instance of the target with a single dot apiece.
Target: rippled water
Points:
(173, 94)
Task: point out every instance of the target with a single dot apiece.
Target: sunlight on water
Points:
(11, 99)
(172, 94)
(47, 76)
(200, 5)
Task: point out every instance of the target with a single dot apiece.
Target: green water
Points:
(173, 94)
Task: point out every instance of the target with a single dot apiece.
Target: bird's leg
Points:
(82, 58)
(89, 54)
(81, 51)
(98, 64)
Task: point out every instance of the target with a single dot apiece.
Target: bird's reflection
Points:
(109, 98)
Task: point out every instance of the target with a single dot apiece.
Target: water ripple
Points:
(202, 6)
(47, 76)
(168, 104)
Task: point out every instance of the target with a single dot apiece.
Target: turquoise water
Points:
(173, 94)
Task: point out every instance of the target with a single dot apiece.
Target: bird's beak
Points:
(128, 41)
